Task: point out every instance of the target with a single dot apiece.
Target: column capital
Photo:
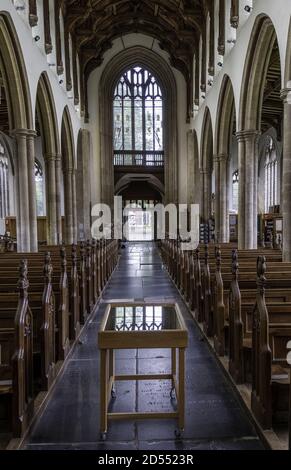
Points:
(23, 133)
(50, 157)
(223, 157)
(247, 134)
(68, 171)
(284, 93)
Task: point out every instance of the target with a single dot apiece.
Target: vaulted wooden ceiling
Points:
(272, 110)
(176, 24)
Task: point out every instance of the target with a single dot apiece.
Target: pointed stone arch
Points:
(223, 132)
(20, 119)
(46, 113)
(15, 76)
(206, 165)
(138, 56)
(262, 42)
(69, 177)
(83, 196)
(260, 48)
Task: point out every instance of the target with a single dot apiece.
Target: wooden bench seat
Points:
(16, 365)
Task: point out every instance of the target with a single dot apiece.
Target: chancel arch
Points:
(150, 61)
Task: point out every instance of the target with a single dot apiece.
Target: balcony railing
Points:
(140, 159)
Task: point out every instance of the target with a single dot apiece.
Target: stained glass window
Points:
(271, 176)
(138, 117)
(38, 174)
(235, 181)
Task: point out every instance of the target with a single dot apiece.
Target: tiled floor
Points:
(214, 418)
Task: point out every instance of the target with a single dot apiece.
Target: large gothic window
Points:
(271, 176)
(38, 174)
(235, 183)
(138, 119)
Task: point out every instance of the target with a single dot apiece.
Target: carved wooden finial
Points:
(63, 258)
(23, 283)
(218, 257)
(48, 268)
(234, 264)
(261, 271)
(271, 238)
(197, 253)
(206, 253)
(82, 250)
(74, 254)
(279, 242)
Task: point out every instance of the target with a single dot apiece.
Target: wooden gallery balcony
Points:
(138, 162)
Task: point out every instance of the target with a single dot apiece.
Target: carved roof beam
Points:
(33, 18)
(221, 36)
(47, 28)
(234, 13)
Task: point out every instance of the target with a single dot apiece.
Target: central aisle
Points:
(214, 418)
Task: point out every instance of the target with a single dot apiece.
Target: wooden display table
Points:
(142, 325)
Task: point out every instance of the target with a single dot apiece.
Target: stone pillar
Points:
(83, 196)
(69, 222)
(74, 206)
(32, 190)
(248, 188)
(217, 197)
(58, 179)
(223, 202)
(22, 198)
(286, 182)
(52, 231)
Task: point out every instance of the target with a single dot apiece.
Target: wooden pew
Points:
(221, 282)
(271, 380)
(42, 306)
(241, 304)
(16, 368)
(60, 285)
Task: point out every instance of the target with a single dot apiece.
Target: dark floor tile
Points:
(214, 419)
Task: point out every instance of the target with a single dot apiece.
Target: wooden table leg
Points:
(174, 368)
(181, 402)
(112, 371)
(103, 390)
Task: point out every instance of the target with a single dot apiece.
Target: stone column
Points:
(223, 202)
(202, 200)
(58, 179)
(217, 197)
(74, 206)
(22, 199)
(52, 231)
(248, 188)
(69, 229)
(32, 190)
(286, 182)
